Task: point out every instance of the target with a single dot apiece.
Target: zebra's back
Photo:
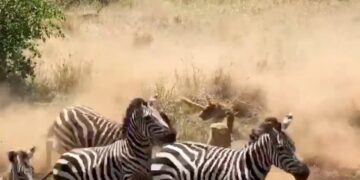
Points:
(81, 126)
(196, 161)
(89, 164)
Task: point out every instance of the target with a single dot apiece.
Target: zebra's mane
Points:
(134, 104)
(269, 122)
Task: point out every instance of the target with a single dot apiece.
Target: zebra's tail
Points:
(50, 131)
(47, 175)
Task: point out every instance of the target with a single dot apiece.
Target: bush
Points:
(22, 24)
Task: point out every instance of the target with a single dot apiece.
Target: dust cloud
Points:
(304, 55)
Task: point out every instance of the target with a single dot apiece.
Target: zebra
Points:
(21, 167)
(128, 157)
(77, 127)
(270, 145)
(80, 126)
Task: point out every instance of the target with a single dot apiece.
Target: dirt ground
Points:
(316, 174)
(304, 55)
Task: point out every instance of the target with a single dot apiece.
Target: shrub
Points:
(22, 24)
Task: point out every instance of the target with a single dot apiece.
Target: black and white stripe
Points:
(194, 161)
(21, 167)
(79, 127)
(143, 127)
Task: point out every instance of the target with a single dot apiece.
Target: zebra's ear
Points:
(286, 121)
(32, 150)
(12, 155)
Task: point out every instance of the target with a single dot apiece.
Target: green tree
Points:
(23, 23)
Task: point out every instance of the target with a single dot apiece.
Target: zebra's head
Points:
(148, 122)
(21, 164)
(283, 150)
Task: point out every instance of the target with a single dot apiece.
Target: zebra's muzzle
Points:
(166, 139)
(303, 172)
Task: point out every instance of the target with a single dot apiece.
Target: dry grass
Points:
(285, 55)
(60, 79)
(195, 85)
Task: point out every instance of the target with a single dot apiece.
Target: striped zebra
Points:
(79, 127)
(270, 145)
(128, 157)
(21, 167)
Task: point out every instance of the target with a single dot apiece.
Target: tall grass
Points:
(60, 79)
(196, 85)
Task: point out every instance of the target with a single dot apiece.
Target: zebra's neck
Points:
(140, 147)
(15, 172)
(260, 152)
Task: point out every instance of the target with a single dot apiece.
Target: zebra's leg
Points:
(48, 146)
(65, 170)
(52, 144)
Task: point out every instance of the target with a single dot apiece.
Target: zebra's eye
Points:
(148, 118)
(280, 148)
